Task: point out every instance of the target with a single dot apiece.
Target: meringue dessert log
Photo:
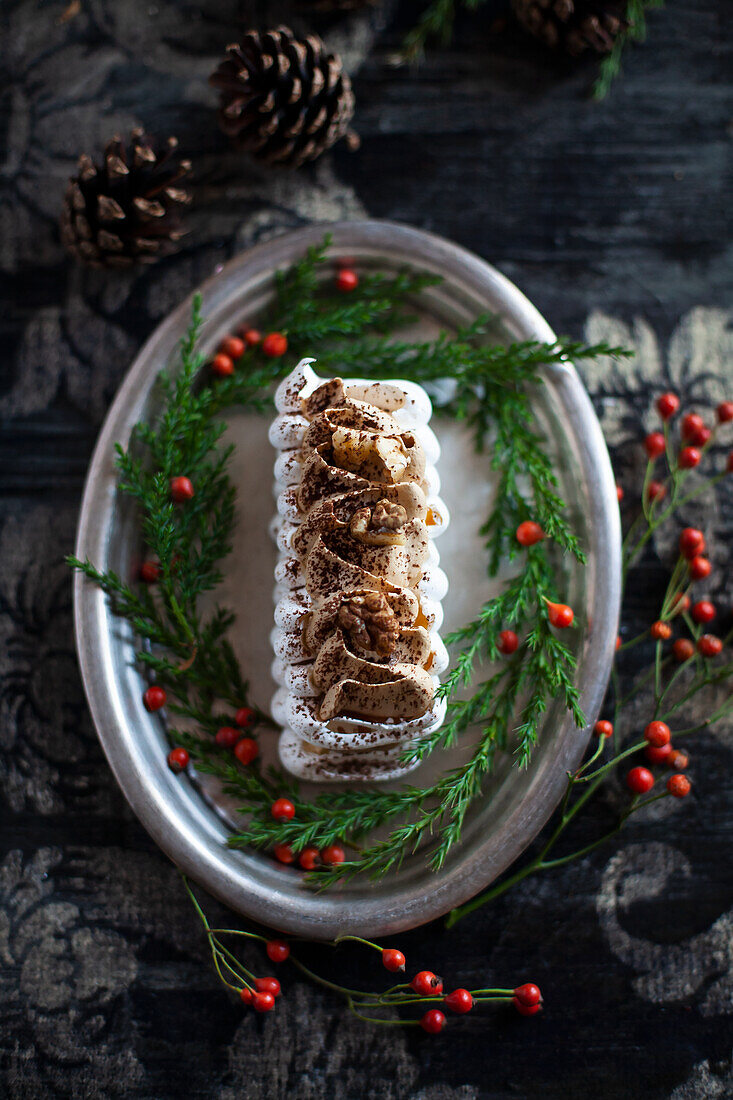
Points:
(359, 587)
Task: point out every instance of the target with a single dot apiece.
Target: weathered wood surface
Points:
(614, 218)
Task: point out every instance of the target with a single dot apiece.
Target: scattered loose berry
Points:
(683, 649)
(619, 493)
(425, 983)
(332, 855)
(640, 780)
(459, 1001)
(263, 1002)
(268, 985)
(658, 754)
(529, 994)
(275, 344)
(667, 405)
(700, 568)
(149, 572)
(680, 603)
(246, 995)
(655, 490)
(508, 642)
(251, 336)
(393, 960)
(309, 859)
(222, 365)
(691, 427)
(245, 717)
(227, 737)
(703, 611)
(603, 728)
(181, 490)
(689, 457)
(347, 280)
(526, 1010)
(154, 697)
(724, 412)
(233, 347)
(282, 809)
(709, 645)
(560, 615)
(283, 853)
(658, 733)
(529, 532)
(679, 786)
(692, 542)
(654, 445)
(277, 950)
(660, 631)
(246, 750)
(178, 760)
(678, 759)
(433, 1021)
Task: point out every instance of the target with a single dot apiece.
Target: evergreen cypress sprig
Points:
(189, 653)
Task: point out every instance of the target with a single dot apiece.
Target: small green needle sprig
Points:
(188, 652)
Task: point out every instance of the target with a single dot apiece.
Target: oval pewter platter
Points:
(190, 820)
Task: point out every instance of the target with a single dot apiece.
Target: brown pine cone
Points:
(128, 209)
(283, 99)
(573, 25)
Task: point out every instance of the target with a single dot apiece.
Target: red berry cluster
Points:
(695, 438)
(659, 750)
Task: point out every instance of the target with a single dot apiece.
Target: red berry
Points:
(275, 344)
(703, 611)
(724, 411)
(678, 759)
(618, 643)
(263, 1002)
(433, 1021)
(282, 809)
(703, 437)
(332, 855)
(619, 493)
(658, 733)
(660, 631)
(149, 572)
(268, 985)
(603, 728)
(640, 780)
(222, 366)
(393, 960)
(309, 859)
(283, 853)
(277, 950)
(425, 983)
(529, 994)
(251, 336)
(729, 465)
(246, 995)
(683, 649)
(178, 760)
(658, 754)
(459, 1001)
(560, 615)
(525, 1010)
(654, 445)
(692, 542)
(181, 490)
(667, 405)
(246, 750)
(245, 717)
(508, 642)
(227, 737)
(233, 347)
(347, 280)
(680, 603)
(689, 457)
(154, 697)
(678, 786)
(700, 568)
(529, 532)
(655, 490)
(709, 645)
(691, 426)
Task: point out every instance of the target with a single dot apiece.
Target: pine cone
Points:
(128, 209)
(283, 99)
(573, 25)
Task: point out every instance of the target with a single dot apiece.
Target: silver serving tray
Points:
(190, 819)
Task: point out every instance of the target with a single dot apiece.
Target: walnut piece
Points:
(370, 623)
(362, 527)
(388, 516)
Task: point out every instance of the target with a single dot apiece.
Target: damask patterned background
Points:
(615, 219)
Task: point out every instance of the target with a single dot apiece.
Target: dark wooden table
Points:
(614, 218)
